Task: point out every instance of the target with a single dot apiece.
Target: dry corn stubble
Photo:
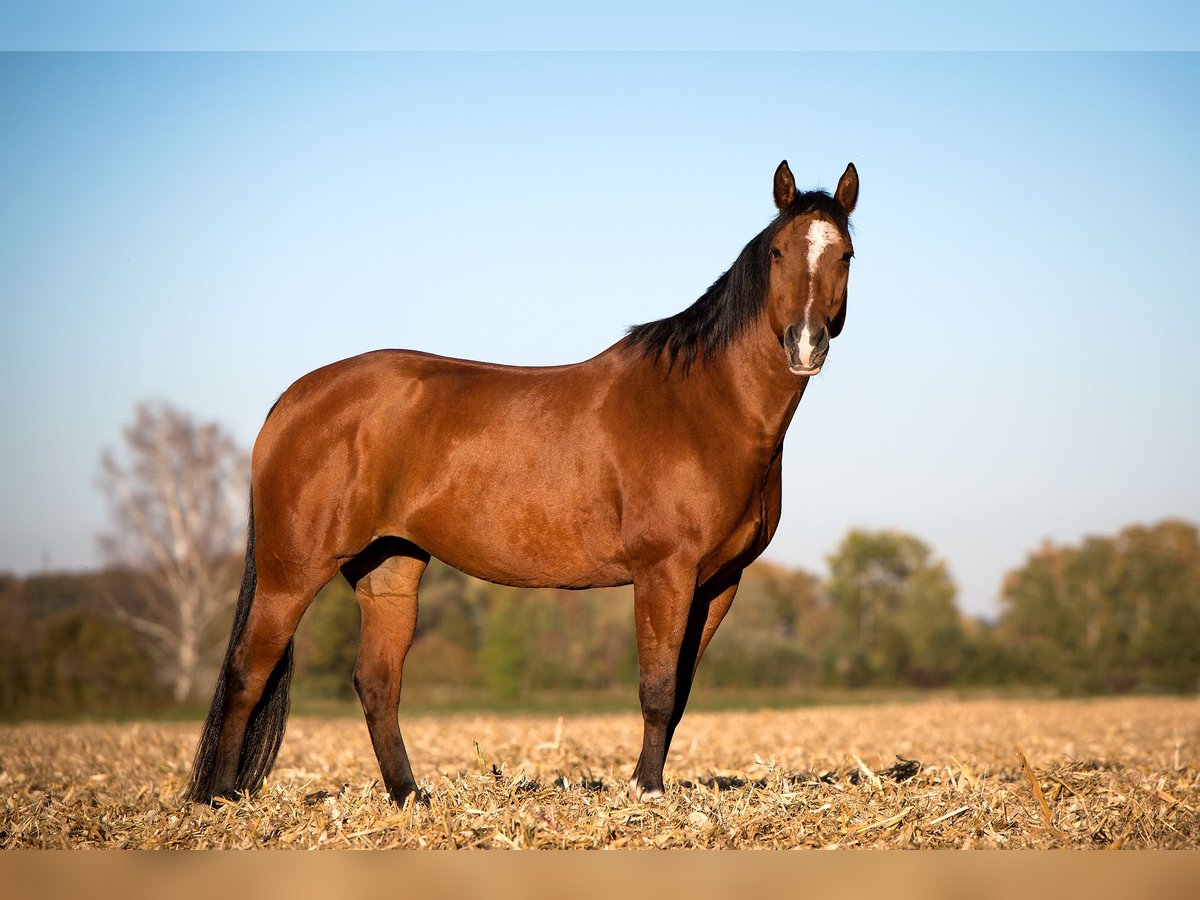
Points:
(939, 773)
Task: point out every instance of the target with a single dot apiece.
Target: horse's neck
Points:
(754, 374)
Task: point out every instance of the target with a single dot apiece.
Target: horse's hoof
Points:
(639, 794)
(400, 796)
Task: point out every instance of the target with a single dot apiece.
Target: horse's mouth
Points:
(800, 370)
(796, 366)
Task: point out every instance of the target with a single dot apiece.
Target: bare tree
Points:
(177, 498)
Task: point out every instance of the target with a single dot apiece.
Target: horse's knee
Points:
(657, 696)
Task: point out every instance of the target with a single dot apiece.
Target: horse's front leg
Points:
(709, 606)
(674, 624)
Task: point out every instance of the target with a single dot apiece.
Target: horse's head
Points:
(809, 269)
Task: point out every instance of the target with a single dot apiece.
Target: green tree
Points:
(62, 653)
(327, 644)
(1160, 575)
(504, 652)
(88, 664)
(443, 663)
(17, 678)
(452, 607)
(556, 639)
(773, 635)
(1110, 614)
(897, 620)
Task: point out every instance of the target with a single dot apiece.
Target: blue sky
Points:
(657, 25)
(1019, 361)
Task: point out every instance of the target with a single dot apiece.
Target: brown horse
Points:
(656, 463)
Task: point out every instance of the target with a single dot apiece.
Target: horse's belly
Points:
(522, 531)
(522, 556)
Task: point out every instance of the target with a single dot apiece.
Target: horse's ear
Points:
(847, 189)
(785, 186)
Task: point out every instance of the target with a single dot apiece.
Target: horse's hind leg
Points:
(387, 592)
(256, 676)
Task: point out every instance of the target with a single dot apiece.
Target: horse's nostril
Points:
(819, 337)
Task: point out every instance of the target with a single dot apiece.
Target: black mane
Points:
(732, 302)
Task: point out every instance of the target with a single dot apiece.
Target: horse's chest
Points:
(746, 535)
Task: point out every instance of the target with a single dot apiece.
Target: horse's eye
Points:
(775, 254)
(846, 257)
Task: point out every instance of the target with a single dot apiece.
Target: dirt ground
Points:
(938, 773)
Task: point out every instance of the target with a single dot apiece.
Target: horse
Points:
(657, 463)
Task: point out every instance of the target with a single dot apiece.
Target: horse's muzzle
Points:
(806, 351)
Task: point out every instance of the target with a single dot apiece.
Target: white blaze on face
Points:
(820, 235)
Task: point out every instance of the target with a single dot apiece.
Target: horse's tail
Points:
(264, 731)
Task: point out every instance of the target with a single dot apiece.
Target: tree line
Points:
(1111, 614)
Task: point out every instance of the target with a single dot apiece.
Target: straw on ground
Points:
(940, 773)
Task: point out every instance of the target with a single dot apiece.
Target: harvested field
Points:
(939, 773)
